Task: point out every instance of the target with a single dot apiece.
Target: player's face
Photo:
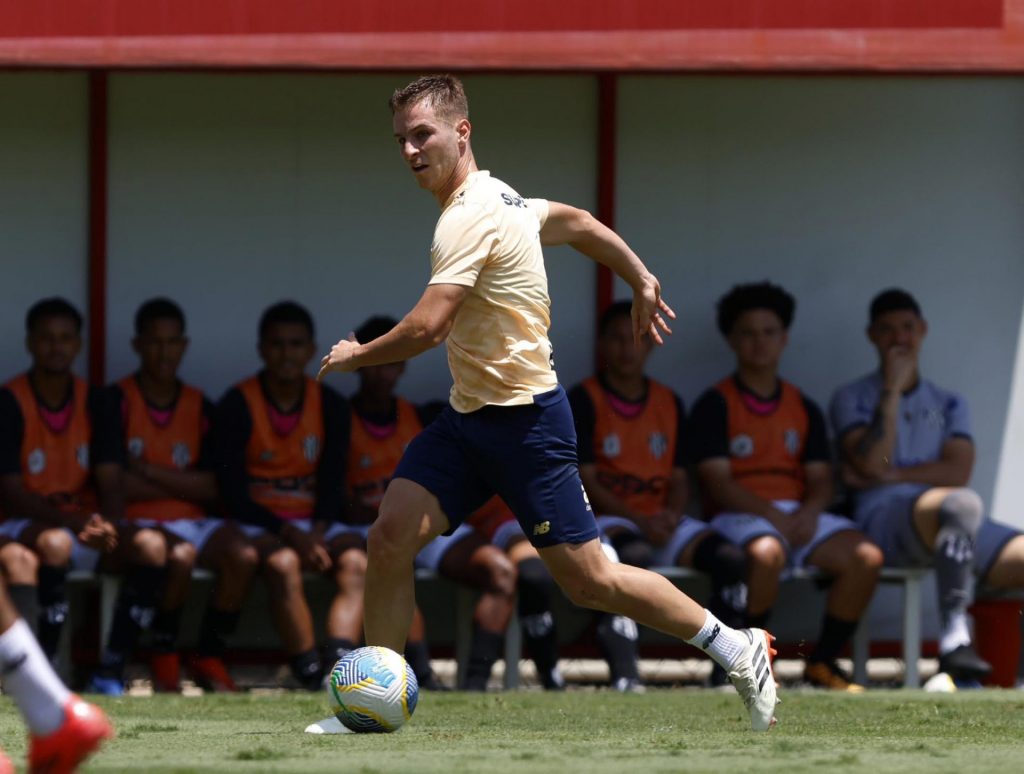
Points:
(900, 328)
(380, 380)
(160, 348)
(286, 350)
(54, 343)
(619, 353)
(430, 145)
(758, 339)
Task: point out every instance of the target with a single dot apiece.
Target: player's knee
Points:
(389, 542)
(962, 510)
(350, 567)
(501, 573)
(182, 556)
(869, 557)
(149, 547)
(241, 559)
(590, 588)
(766, 554)
(53, 547)
(20, 564)
(284, 566)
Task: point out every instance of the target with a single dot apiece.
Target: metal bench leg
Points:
(911, 631)
(861, 647)
(465, 602)
(513, 652)
(110, 586)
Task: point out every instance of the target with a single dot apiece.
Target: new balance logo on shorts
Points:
(711, 637)
(542, 529)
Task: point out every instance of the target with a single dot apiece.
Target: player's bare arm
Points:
(953, 468)
(29, 505)
(423, 328)
(198, 486)
(566, 225)
(716, 478)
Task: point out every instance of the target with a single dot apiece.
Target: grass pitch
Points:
(579, 731)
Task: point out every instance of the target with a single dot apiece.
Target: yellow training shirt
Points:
(488, 239)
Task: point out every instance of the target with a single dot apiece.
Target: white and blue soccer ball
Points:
(373, 690)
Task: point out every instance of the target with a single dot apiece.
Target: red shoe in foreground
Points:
(211, 675)
(85, 727)
(165, 669)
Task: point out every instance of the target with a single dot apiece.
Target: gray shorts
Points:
(306, 525)
(432, 554)
(889, 523)
(82, 557)
(668, 554)
(741, 528)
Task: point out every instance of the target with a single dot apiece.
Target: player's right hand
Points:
(650, 312)
(899, 368)
(340, 358)
(310, 548)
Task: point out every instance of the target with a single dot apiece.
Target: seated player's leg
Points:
(345, 616)
(141, 557)
(765, 552)
(164, 664)
(948, 520)
(474, 562)
(229, 553)
(19, 568)
(535, 587)
(999, 556)
(854, 563)
(63, 729)
(53, 547)
(282, 570)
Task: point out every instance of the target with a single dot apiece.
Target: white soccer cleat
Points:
(754, 680)
(329, 725)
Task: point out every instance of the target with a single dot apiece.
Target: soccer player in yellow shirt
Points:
(508, 429)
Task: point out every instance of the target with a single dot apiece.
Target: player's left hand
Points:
(650, 312)
(340, 358)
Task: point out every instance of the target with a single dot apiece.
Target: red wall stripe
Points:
(607, 158)
(90, 18)
(97, 260)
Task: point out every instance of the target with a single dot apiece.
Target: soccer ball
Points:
(373, 690)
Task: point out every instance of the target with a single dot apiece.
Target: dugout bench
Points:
(909, 578)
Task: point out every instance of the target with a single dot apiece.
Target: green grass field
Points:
(590, 731)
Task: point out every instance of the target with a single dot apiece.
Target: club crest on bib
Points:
(658, 444)
(741, 446)
(791, 440)
(611, 446)
(82, 455)
(135, 447)
(181, 456)
(310, 448)
(36, 462)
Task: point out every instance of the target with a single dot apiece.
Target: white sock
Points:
(955, 632)
(31, 681)
(724, 644)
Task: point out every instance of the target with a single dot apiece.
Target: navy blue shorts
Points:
(526, 454)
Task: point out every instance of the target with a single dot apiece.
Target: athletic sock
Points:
(617, 637)
(418, 656)
(26, 601)
(165, 630)
(954, 559)
(216, 625)
(541, 641)
(31, 681)
(334, 649)
(483, 652)
(307, 669)
(133, 614)
(723, 643)
(53, 607)
(835, 633)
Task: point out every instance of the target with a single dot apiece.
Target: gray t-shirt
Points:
(928, 417)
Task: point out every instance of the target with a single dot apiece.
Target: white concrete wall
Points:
(231, 192)
(836, 188)
(43, 205)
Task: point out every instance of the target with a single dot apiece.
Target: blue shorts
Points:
(526, 454)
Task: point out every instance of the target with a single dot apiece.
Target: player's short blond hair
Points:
(444, 93)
